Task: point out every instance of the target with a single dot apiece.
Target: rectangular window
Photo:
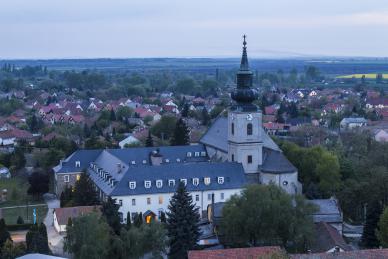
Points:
(132, 185)
(197, 197)
(159, 183)
(171, 183)
(121, 202)
(77, 164)
(220, 180)
(66, 178)
(78, 177)
(249, 159)
(209, 196)
(147, 184)
(188, 154)
(232, 126)
(206, 180)
(133, 202)
(196, 154)
(148, 201)
(232, 157)
(203, 153)
(222, 196)
(133, 215)
(160, 199)
(195, 181)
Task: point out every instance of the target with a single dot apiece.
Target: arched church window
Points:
(232, 128)
(249, 129)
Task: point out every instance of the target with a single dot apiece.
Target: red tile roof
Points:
(235, 253)
(63, 214)
(362, 254)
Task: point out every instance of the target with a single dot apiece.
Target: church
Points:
(235, 151)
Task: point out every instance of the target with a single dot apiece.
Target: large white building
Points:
(235, 151)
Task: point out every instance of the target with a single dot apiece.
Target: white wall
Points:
(58, 228)
(142, 206)
(279, 179)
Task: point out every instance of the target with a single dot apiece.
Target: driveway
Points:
(55, 240)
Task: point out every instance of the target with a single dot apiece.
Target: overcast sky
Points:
(192, 28)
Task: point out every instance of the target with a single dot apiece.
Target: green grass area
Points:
(367, 76)
(11, 215)
(16, 192)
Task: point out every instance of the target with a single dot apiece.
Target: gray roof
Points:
(127, 155)
(354, 120)
(275, 162)
(85, 156)
(39, 256)
(217, 136)
(328, 211)
(233, 173)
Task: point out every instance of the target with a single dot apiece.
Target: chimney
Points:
(156, 158)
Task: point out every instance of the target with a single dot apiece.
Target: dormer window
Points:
(178, 160)
(171, 182)
(147, 184)
(144, 162)
(196, 154)
(184, 181)
(195, 181)
(167, 160)
(188, 154)
(159, 183)
(220, 180)
(206, 180)
(132, 185)
(77, 163)
(203, 153)
(133, 162)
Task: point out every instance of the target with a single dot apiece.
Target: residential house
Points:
(328, 212)
(366, 253)
(352, 123)
(129, 140)
(237, 253)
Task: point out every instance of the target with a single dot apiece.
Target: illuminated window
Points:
(195, 181)
(159, 183)
(249, 159)
(148, 219)
(220, 180)
(160, 199)
(184, 181)
(206, 180)
(147, 184)
(133, 202)
(132, 185)
(249, 129)
(148, 201)
(78, 177)
(171, 183)
(66, 178)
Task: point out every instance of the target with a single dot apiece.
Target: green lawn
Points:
(11, 215)
(17, 192)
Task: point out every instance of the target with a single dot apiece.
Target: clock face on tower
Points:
(249, 117)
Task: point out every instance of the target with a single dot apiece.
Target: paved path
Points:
(55, 239)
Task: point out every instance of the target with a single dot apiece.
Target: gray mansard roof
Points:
(128, 155)
(328, 211)
(217, 136)
(275, 162)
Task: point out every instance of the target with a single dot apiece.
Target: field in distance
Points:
(368, 76)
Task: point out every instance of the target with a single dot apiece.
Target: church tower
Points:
(245, 144)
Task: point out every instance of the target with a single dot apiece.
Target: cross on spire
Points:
(244, 42)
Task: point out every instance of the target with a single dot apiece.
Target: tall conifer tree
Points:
(182, 223)
(181, 134)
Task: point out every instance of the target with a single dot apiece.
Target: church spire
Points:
(244, 59)
(244, 95)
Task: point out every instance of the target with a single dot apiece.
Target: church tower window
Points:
(232, 128)
(249, 159)
(249, 129)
